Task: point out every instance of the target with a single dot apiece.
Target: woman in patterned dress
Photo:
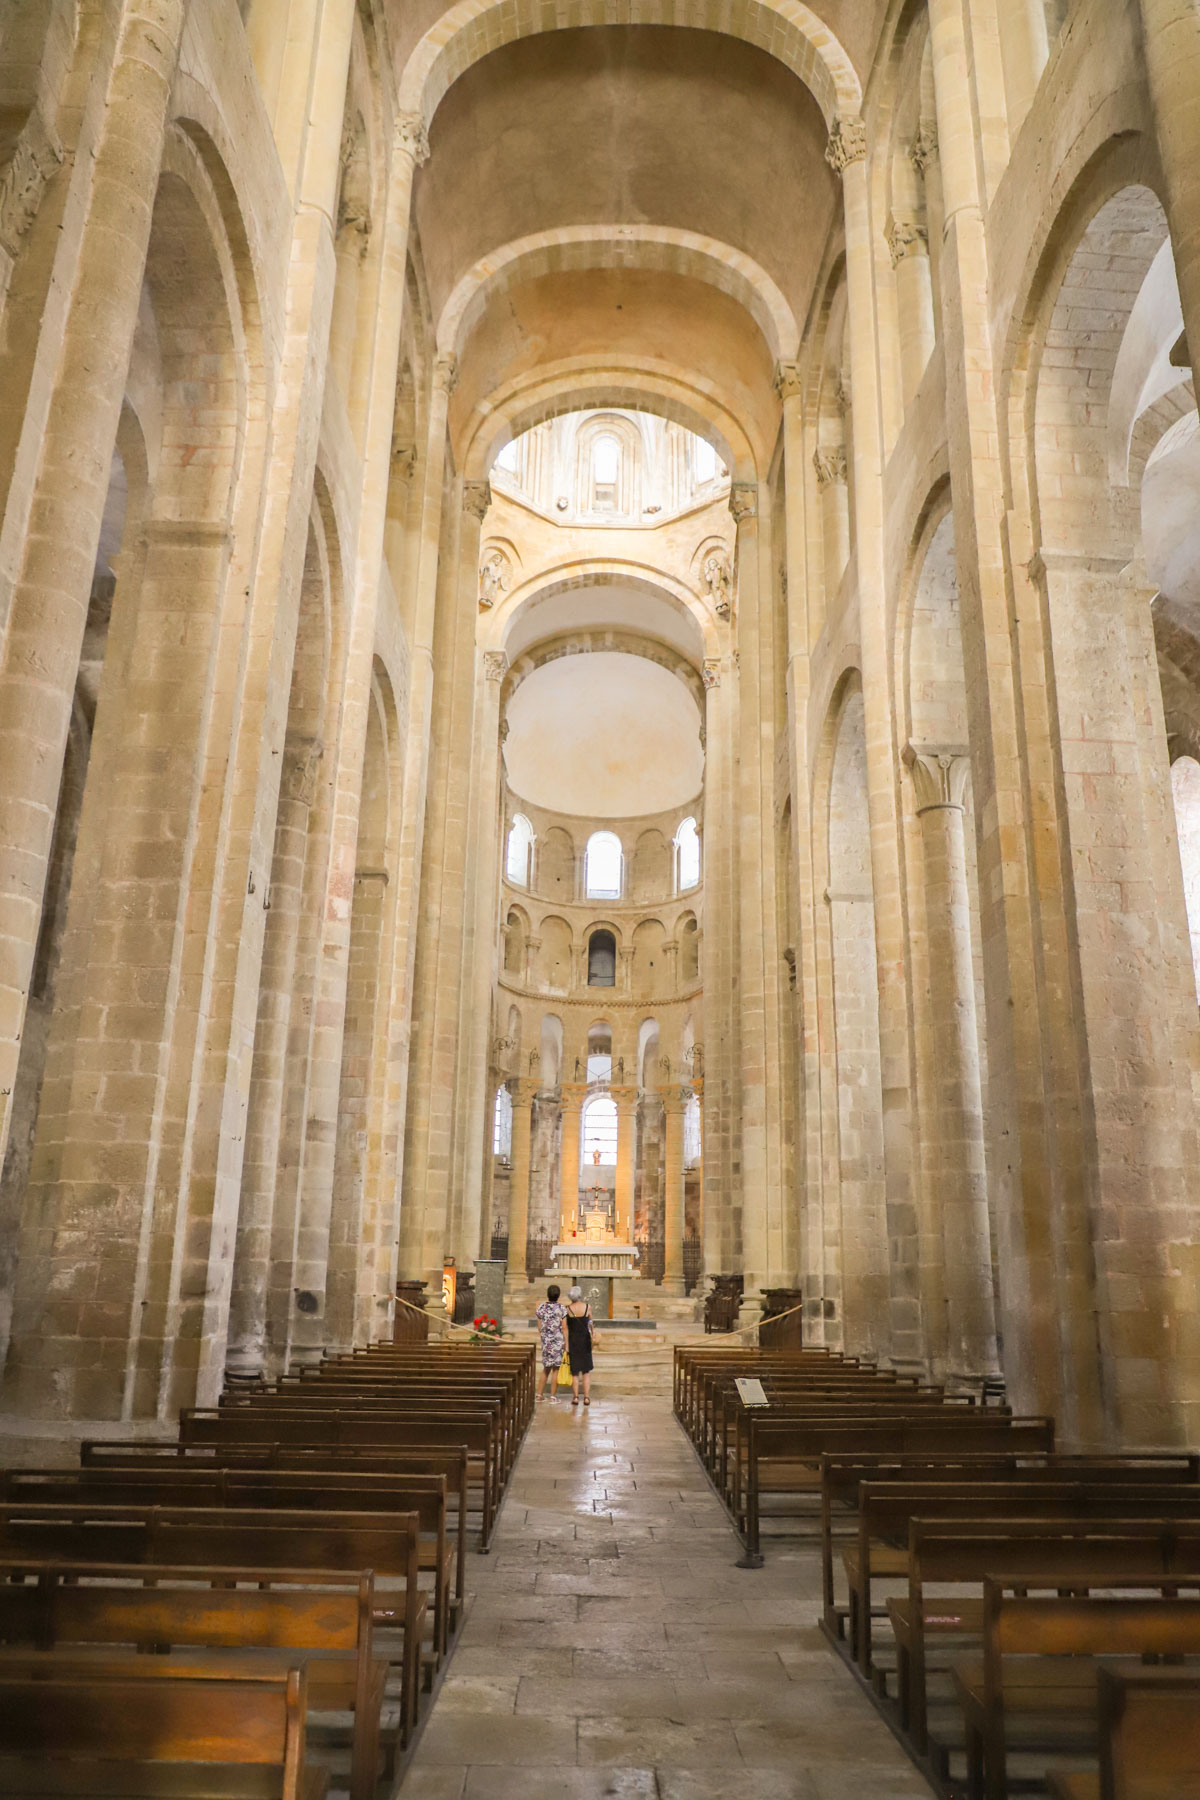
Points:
(550, 1318)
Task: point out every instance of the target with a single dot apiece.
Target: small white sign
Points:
(750, 1391)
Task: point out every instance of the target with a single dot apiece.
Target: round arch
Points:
(783, 28)
(596, 572)
(608, 246)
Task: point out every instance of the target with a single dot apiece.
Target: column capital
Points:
(495, 665)
(905, 238)
(625, 1099)
(573, 1095)
(523, 1087)
(788, 380)
(847, 143)
(675, 1099)
(939, 775)
(445, 374)
(924, 148)
(743, 501)
(829, 460)
(411, 137)
(476, 498)
(711, 673)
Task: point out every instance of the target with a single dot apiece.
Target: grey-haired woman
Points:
(579, 1345)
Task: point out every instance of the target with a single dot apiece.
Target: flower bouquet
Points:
(485, 1331)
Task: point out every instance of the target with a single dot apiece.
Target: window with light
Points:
(606, 473)
(602, 866)
(502, 1124)
(687, 856)
(600, 1131)
(520, 844)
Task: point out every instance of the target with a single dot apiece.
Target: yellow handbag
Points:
(564, 1373)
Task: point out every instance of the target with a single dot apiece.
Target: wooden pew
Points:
(1036, 1683)
(886, 1510)
(69, 1731)
(249, 1538)
(177, 1485)
(783, 1455)
(324, 1627)
(1149, 1726)
(842, 1475)
(451, 1462)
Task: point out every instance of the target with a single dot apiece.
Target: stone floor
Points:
(613, 1648)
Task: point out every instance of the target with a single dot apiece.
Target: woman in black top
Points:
(579, 1345)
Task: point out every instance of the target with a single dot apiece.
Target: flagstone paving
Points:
(614, 1650)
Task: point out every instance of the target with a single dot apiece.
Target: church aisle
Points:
(613, 1649)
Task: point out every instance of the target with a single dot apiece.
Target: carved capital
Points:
(830, 463)
(477, 497)
(788, 381)
(924, 148)
(35, 157)
(712, 674)
(905, 238)
(445, 374)
(939, 775)
(743, 501)
(495, 665)
(411, 137)
(847, 144)
(404, 461)
(301, 762)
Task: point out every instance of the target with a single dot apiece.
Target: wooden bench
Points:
(143, 1733)
(1149, 1728)
(1035, 1686)
(89, 1532)
(317, 1622)
(886, 1510)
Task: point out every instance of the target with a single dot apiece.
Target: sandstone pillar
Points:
(246, 1353)
(1035, 1105)
(449, 873)
(626, 1099)
(721, 902)
(675, 1102)
(416, 784)
(831, 467)
(572, 1107)
(1024, 49)
(1171, 37)
(479, 956)
(522, 1091)
(50, 532)
(959, 1173)
(908, 243)
(847, 153)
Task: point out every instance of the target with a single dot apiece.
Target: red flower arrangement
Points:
(485, 1330)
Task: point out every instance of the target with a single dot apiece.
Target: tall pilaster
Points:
(963, 1344)
(522, 1091)
(829, 461)
(675, 1103)
(572, 1108)
(627, 1102)
(51, 525)
(847, 154)
(722, 1019)
(908, 244)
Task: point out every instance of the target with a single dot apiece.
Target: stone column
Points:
(831, 467)
(252, 1255)
(51, 528)
(416, 781)
(959, 1170)
(847, 153)
(908, 244)
(1043, 1234)
(721, 903)
(675, 1102)
(1024, 49)
(1171, 38)
(522, 1091)
(572, 1107)
(627, 1100)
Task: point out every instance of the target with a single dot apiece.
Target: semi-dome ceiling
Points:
(605, 735)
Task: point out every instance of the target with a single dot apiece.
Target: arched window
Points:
(606, 473)
(687, 856)
(510, 457)
(599, 1053)
(502, 1124)
(602, 866)
(600, 1131)
(704, 464)
(691, 1132)
(520, 843)
(1185, 791)
(602, 959)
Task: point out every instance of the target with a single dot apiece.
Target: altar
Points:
(593, 1259)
